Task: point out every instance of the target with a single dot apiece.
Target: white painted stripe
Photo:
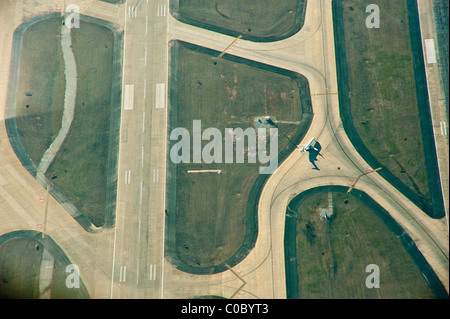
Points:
(430, 50)
(161, 10)
(155, 175)
(443, 128)
(139, 232)
(145, 88)
(143, 122)
(145, 59)
(124, 273)
(129, 97)
(127, 176)
(137, 272)
(152, 272)
(121, 274)
(132, 11)
(160, 97)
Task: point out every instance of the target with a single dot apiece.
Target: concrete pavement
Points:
(128, 261)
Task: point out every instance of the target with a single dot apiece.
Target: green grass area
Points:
(258, 18)
(80, 166)
(41, 74)
(79, 170)
(20, 262)
(382, 90)
(332, 254)
(211, 209)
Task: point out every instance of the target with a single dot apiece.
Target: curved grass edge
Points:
(116, 94)
(408, 244)
(436, 209)
(53, 248)
(174, 8)
(256, 190)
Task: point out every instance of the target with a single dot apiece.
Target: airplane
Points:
(307, 147)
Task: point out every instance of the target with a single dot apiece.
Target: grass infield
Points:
(20, 263)
(332, 254)
(79, 170)
(256, 20)
(211, 209)
(384, 105)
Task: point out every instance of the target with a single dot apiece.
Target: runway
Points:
(138, 262)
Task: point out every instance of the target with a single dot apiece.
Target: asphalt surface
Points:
(128, 261)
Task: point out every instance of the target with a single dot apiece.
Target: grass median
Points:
(332, 253)
(40, 98)
(382, 91)
(79, 170)
(20, 266)
(211, 208)
(258, 20)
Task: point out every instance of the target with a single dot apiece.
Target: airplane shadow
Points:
(313, 155)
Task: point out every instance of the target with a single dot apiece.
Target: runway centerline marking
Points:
(145, 58)
(137, 272)
(145, 87)
(143, 122)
